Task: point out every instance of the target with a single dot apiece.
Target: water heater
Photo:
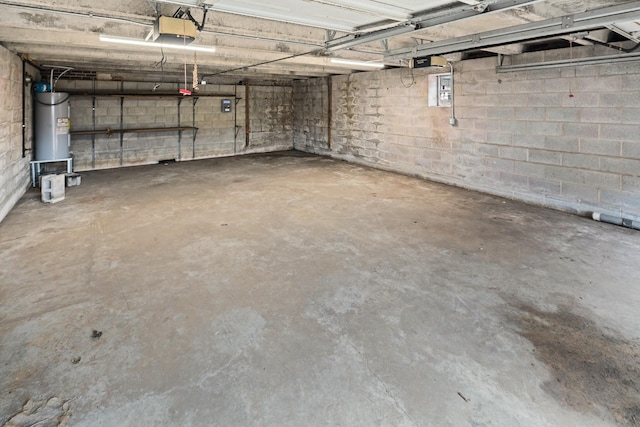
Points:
(52, 122)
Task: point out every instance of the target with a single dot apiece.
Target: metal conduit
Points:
(607, 59)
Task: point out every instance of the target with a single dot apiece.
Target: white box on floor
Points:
(52, 188)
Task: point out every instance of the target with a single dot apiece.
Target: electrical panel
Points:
(444, 90)
(226, 105)
(440, 90)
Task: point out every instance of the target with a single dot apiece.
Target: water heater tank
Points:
(52, 126)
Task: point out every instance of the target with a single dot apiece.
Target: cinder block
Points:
(502, 100)
(484, 74)
(500, 113)
(620, 132)
(631, 184)
(555, 85)
(443, 168)
(580, 130)
(103, 122)
(563, 114)
(559, 173)
(130, 112)
(600, 179)
(487, 150)
(499, 138)
(582, 161)
(631, 149)
(486, 124)
(465, 101)
(582, 71)
(474, 136)
(561, 143)
(499, 164)
(545, 128)
(530, 114)
(513, 126)
(620, 166)
(513, 153)
(472, 88)
(630, 115)
(52, 188)
(623, 68)
(580, 99)
(514, 180)
(544, 99)
(580, 193)
(600, 84)
(528, 86)
(631, 81)
(619, 99)
(601, 115)
(629, 200)
(545, 157)
(528, 141)
(545, 186)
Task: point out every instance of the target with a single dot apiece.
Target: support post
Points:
(93, 136)
(195, 131)
(247, 122)
(179, 132)
(329, 112)
(121, 124)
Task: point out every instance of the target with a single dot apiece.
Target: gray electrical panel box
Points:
(444, 90)
(440, 90)
(226, 105)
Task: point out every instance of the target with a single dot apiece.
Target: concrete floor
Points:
(293, 290)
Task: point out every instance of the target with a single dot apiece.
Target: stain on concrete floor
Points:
(593, 369)
(334, 295)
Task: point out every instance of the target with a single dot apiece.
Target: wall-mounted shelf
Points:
(122, 95)
(173, 94)
(109, 131)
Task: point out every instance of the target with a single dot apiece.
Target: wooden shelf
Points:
(109, 131)
(147, 94)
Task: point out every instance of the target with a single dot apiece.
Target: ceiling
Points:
(282, 40)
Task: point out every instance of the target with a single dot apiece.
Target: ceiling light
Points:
(137, 42)
(357, 63)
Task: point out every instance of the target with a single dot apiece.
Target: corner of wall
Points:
(565, 138)
(14, 167)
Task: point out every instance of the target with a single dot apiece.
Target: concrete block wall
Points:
(567, 138)
(219, 133)
(14, 168)
(271, 117)
(311, 115)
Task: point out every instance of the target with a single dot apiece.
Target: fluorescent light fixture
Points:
(357, 63)
(136, 42)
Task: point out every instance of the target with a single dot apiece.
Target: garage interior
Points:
(322, 212)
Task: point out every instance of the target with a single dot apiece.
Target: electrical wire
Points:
(184, 90)
(574, 68)
(311, 52)
(160, 64)
(413, 79)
